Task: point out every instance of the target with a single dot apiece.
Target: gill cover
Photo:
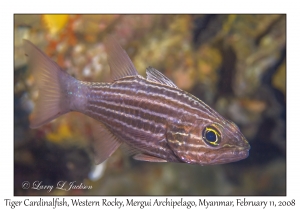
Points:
(177, 136)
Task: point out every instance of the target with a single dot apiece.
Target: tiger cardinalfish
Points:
(155, 118)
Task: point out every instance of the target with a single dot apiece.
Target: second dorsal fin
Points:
(118, 60)
(156, 76)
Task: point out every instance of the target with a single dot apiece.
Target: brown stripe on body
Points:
(175, 99)
(138, 111)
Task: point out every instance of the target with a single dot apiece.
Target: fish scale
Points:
(161, 122)
(148, 122)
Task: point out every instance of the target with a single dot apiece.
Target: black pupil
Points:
(210, 136)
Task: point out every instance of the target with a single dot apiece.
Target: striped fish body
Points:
(135, 111)
(160, 121)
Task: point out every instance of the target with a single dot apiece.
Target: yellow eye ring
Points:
(211, 136)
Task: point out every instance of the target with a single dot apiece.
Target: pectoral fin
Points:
(148, 158)
(128, 150)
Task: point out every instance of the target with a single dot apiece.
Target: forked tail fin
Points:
(51, 81)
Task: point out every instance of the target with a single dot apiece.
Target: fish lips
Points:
(227, 155)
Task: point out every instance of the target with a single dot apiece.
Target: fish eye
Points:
(211, 136)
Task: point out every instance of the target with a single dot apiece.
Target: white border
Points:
(8, 8)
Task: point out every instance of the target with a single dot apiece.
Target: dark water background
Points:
(234, 63)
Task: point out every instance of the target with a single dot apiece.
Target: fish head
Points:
(208, 143)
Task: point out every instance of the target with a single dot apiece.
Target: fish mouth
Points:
(233, 155)
(241, 153)
(227, 155)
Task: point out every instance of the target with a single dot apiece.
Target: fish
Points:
(152, 116)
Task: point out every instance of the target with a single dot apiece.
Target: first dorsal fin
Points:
(105, 143)
(156, 76)
(118, 60)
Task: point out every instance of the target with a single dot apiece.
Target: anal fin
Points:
(105, 143)
(148, 158)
